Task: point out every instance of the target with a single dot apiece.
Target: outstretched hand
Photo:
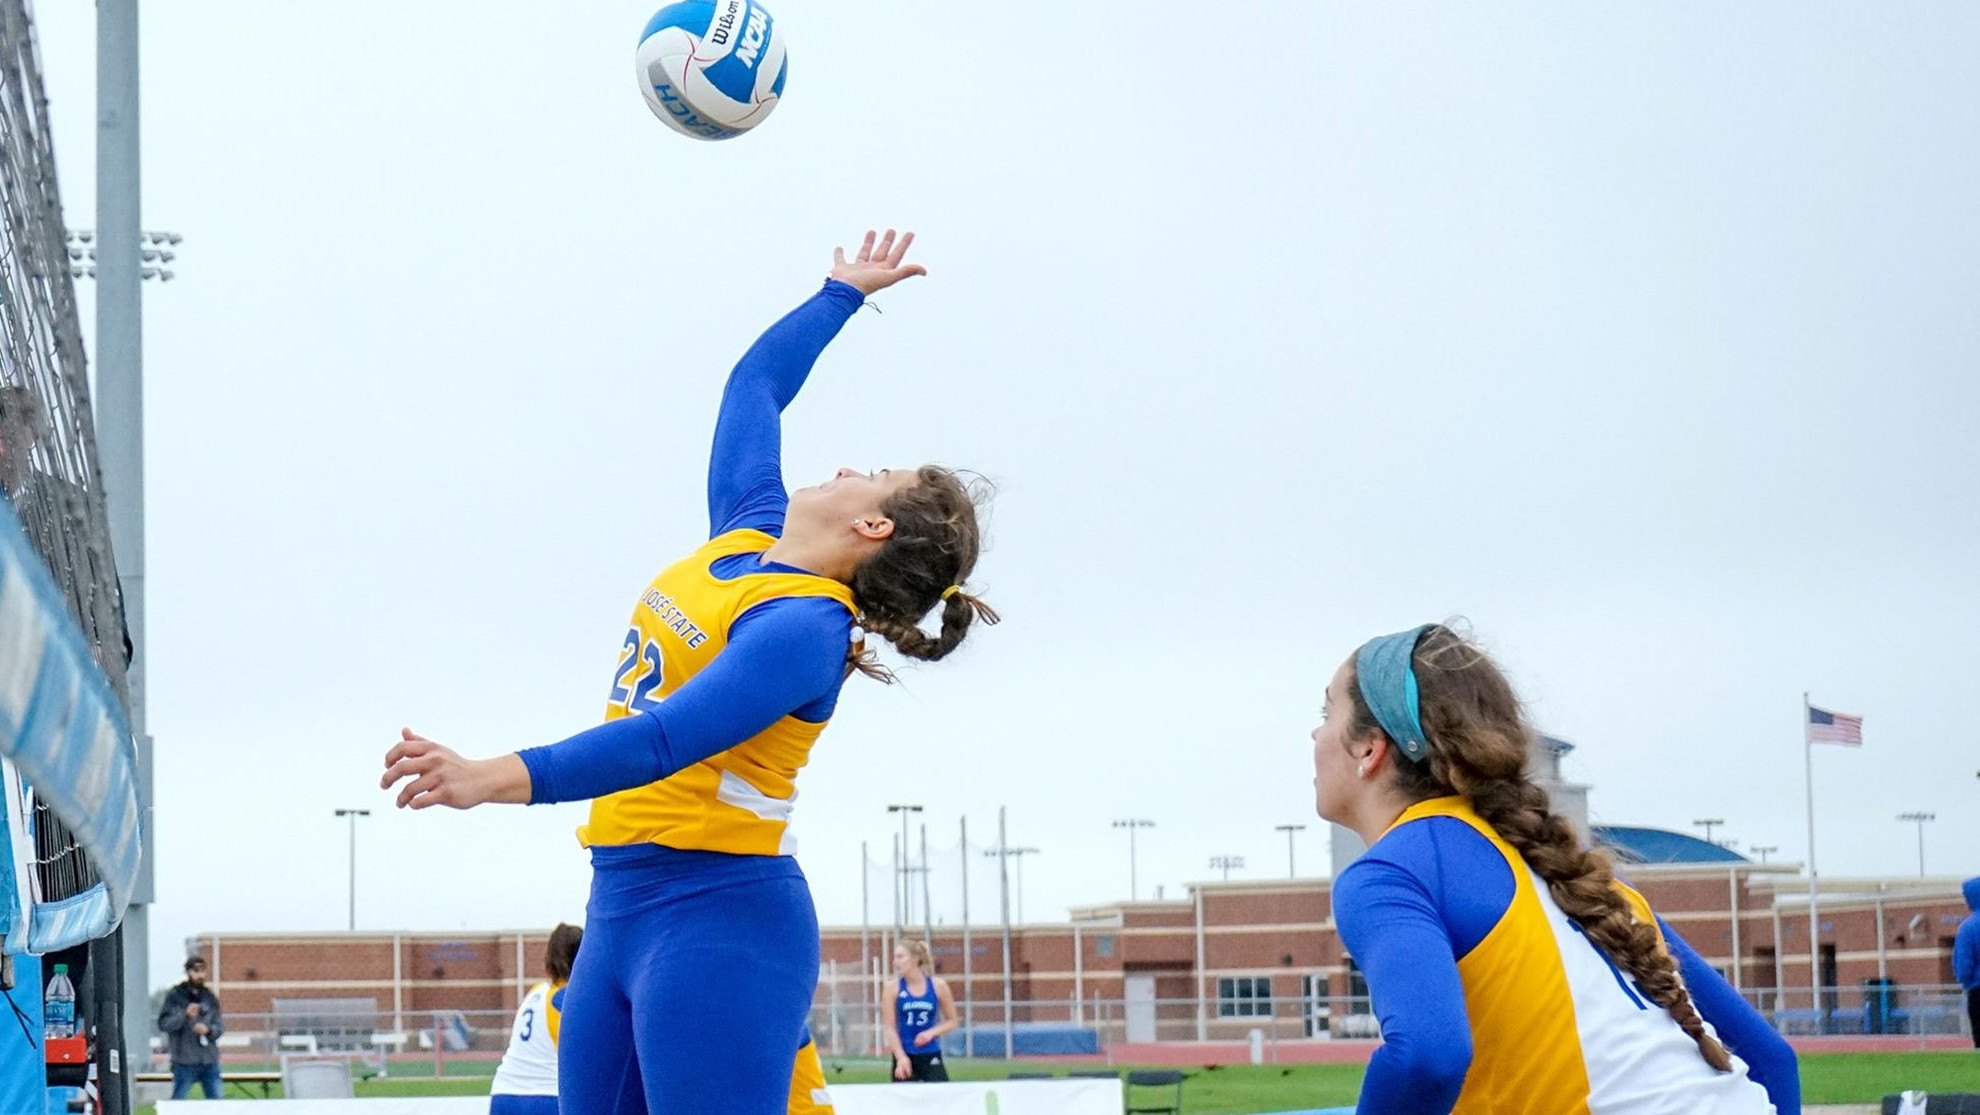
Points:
(440, 776)
(876, 267)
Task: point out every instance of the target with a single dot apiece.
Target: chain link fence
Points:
(380, 1041)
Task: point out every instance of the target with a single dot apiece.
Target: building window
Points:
(1103, 946)
(1244, 996)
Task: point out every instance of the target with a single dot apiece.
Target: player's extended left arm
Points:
(779, 658)
(1770, 1060)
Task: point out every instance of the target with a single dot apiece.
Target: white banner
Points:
(988, 1097)
(985, 1097)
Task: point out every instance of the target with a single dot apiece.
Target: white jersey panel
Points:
(1639, 1060)
(529, 1068)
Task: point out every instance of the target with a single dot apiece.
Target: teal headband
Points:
(1384, 670)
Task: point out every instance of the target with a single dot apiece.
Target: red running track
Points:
(1358, 1051)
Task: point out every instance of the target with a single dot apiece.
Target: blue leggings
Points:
(691, 991)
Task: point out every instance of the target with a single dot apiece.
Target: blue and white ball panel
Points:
(712, 69)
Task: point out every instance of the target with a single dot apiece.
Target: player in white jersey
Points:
(526, 1080)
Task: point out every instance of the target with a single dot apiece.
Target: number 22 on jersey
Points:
(638, 674)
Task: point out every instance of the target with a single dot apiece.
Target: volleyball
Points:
(711, 69)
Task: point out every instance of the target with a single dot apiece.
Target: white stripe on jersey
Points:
(529, 1068)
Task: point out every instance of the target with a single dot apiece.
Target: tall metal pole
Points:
(1019, 854)
(120, 452)
(354, 814)
(1004, 900)
(865, 955)
(969, 987)
(1814, 878)
(1131, 824)
(1289, 830)
(902, 882)
(927, 899)
(1920, 819)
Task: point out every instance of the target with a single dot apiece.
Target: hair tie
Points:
(951, 591)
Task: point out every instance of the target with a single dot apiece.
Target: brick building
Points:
(1229, 958)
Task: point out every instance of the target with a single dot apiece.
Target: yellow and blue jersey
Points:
(738, 800)
(1492, 1000)
(731, 665)
(727, 674)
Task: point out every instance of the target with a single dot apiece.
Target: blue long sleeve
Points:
(745, 466)
(780, 658)
(1770, 1060)
(1389, 923)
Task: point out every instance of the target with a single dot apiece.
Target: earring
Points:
(1362, 770)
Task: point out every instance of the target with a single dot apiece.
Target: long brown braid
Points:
(933, 549)
(1479, 742)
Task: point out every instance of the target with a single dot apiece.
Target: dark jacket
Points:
(187, 1047)
(1966, 946)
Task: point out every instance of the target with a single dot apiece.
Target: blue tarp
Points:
(1028, 1039)
(23, 1077)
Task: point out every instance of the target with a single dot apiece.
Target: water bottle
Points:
(58, 1006)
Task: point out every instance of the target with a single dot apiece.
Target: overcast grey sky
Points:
(1641, 335)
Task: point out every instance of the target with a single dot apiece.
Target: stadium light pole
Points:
(1131, 824)
(1019, 854)
(906, 889)
(154, 252)
(1710, 823)
(1763, 850)
(1919, 819)
(1225, 863)
(1289, 830)
(353, 814)
(119, 402)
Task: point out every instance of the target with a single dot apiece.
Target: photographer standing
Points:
(191, 1023)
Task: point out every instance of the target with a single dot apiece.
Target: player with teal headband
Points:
(1510, 969)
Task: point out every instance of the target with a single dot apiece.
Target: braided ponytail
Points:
(932, 551)
(1478, 742)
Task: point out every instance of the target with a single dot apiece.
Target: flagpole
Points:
(1814, 879)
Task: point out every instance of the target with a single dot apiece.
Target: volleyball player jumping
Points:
(700, 956)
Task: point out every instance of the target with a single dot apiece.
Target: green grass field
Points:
(1826, 1078)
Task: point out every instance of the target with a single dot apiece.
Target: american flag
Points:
(1834, 727)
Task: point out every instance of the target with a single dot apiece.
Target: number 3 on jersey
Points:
(638, 674)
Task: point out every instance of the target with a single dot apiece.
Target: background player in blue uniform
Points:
(730, 669)
(924, 1010)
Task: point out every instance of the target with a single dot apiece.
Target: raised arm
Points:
(745, 467)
